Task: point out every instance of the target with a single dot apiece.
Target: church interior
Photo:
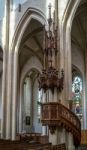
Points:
(43, 75)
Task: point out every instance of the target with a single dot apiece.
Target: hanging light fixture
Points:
(51, 77)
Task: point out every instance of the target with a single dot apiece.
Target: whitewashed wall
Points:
(27, 104)
(37, 125)
(78, 58)
(62, 7)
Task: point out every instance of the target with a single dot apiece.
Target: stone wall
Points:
(78, 58)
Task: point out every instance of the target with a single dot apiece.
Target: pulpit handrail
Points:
(56, 114)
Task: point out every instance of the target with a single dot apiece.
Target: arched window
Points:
(77, 95)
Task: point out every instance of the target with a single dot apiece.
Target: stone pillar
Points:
(32, 107)
(68, 69)
(20, 107)
(61, 57)
(51, 95)
(5, 63)
(35, 106)
(9, 98)
(70, 143)
(65, 61)
(3, 109)
(58, 137)
(14, 98)
(23, 106)
(61, 135)
(53, 138)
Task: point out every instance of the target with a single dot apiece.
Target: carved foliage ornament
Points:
(50, 76)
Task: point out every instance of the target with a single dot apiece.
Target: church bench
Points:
(19, 145)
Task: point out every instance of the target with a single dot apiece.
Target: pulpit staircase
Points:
(55, 115)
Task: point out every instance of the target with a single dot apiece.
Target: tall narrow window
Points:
(39, 104)
(77, 95)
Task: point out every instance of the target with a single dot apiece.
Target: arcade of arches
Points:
(60, 115)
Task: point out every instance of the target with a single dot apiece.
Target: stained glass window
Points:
(77, 95)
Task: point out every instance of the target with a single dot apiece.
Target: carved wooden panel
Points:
(84, 137)
(55, 114)
(59, 147)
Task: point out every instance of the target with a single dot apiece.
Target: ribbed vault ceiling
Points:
(79, 26)
(31, 43)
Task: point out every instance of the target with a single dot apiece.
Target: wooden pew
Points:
(59, 147)
(20, 145)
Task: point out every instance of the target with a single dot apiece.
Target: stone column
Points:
(61, 135)
(70, 144)
(58, 137)
(51, 95)
(14, 98)
(5, 42)
(32, 107)
(68, 69)
(9, 98)
(65, 61)
(53, 138)
(9, 79)
(35, 111)
(20, 107)
(23, 106)
(3, 109)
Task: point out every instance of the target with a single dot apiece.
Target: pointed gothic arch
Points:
(65, 44)
(26, 19)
